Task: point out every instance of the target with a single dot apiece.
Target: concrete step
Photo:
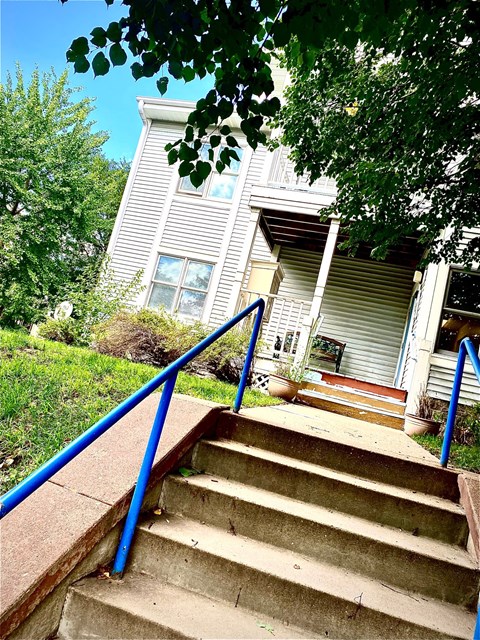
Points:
(141, 607)
(371, 399)
(353, 407)
(309, 445)
(375, 501)
(398, 558)
(297, 589)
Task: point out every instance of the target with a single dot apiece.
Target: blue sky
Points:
(39, 32)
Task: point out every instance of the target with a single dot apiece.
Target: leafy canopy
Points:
(58, 194)
(236, 41)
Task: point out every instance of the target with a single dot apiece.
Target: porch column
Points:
(244, 260)
(319, 292)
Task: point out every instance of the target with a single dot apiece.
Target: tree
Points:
(401, 135)
(54, 208)
(235, 42)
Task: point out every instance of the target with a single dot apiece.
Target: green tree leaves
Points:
(433, 47)
(400, 136)
(58, 195)
(100, 64)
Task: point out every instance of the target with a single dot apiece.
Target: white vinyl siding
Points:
(365, 305)
(236, 241)
(260, 249)
(134, 244)
(440, 378)
(195, 225)
(440, 381)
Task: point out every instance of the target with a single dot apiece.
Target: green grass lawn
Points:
(461, 456)
(50, 393)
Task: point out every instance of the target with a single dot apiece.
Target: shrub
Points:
(65, 330)
(158, 338)
(94, 298)
(467, 423)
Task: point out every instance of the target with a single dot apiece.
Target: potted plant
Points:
(285, 381)
(424, 420)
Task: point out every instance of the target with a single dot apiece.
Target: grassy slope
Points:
(50, 393)
(461, 456)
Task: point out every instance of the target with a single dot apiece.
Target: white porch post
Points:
(244, 260)
(319, 288)
(435, 283)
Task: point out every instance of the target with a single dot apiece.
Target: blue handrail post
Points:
(476, 633)
(143, 477)
(249, 357)
(452, 409)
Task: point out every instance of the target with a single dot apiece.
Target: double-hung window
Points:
(461, 311)
(219, 186)
(180, 285)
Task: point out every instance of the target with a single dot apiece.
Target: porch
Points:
(357, 302)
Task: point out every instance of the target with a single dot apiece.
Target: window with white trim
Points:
(461, 311)
(180, 285)
(219, 186)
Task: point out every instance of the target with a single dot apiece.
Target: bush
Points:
(467, 423)
(65, 331)
(95, 298)
(158, 338)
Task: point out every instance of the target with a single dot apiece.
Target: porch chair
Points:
(328, 350)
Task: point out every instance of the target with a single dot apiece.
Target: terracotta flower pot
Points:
(280, 387)
(415, 426)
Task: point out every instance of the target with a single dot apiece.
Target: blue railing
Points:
(466, 347)
(168, 377)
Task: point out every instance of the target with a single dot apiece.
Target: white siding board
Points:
(236, 241)
(260, 249)
(365, 304)
(145, 204)
(440, 382)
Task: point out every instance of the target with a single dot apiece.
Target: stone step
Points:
(370, 399)
(405, 509)
(398, 558)
(353, 407)
(309, 444)
(303, 592)
(141, 607)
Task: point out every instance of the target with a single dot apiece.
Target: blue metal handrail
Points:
(18, 494)
(466, 347)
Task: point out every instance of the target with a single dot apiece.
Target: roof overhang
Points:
(175, 111)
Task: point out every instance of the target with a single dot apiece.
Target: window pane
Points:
(169, 269)
(186, 185)
(234, 164)
(191, 303)
(222, 186)
(464, 292)
(204, 152)
(198, 275)
(454, 328)
(162, 296)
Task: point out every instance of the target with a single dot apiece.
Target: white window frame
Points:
(180, 286)
(204, 190)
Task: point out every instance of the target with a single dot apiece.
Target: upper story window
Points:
(219, 186)
(180, 285)
(461, 311)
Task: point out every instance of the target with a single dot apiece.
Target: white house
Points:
(255, 229)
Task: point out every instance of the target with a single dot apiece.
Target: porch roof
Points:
(307, 232)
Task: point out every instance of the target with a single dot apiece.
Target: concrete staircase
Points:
(292, 535)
